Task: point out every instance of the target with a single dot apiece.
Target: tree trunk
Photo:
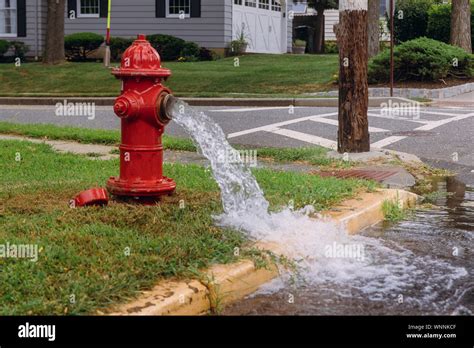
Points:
(351, 33)
(461, 24)
(318, 42)
(374, 27)
(54, 48)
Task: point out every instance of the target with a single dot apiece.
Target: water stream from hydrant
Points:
(380, 270)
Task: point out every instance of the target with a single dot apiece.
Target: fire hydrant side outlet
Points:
(139, 108)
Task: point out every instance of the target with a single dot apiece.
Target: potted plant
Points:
(239, 45)
(299, 47)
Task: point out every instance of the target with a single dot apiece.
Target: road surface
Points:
(442, 136)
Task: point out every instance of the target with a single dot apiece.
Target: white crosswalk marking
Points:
(308, 138)
(336, 123)
(276, 128)
(278, 124)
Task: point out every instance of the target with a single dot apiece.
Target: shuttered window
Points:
(8, 18)
(178, 8)
(88, 8)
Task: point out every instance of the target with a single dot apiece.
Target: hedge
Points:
(411, 19)
(422, 59)
(4, 46)
(439, 23)
(79, 45)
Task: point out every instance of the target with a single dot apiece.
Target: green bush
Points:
(330, 47)
(411, 19)
(439, 23)
(169, 47)
(118, 45)
(190, 51)
(237, 47)
(422, 59)
(4, 46)
(206, 54)
(19, 49)
(79, 45)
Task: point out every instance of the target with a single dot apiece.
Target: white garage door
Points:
(262, 23)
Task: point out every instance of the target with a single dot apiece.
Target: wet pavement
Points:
(432, 274)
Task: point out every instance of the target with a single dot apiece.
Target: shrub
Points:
(206, 54)
(422, 59)
(169, 47)
(414, 21)
(439, 23)
(118, 45)
(237, 47)
(190, 51)
(79, 45)
(4, 46)
(19, 49)
(330, 47)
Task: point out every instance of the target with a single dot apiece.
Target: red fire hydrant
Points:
(144, 107)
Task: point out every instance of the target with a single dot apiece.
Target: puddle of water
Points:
(375, 273)
(422, 266)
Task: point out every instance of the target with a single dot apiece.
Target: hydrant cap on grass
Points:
(141, 59)
(95, 196)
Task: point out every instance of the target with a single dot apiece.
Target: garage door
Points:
(262, 23)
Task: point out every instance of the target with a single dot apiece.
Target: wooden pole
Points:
(352, 37)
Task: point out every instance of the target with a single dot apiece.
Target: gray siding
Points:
(130, 18)
(228, 5)
(35, 27)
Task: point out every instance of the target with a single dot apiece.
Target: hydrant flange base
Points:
(141, 189)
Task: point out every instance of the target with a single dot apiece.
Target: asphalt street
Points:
(440, 136)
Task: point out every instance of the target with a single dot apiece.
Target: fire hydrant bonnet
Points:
(141, 59)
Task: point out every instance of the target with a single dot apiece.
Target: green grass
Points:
(84, 135)
(393, 212)
(314, 155)
(257, 74)
(83, 251)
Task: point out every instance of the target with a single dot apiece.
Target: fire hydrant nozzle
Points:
(145, 108)
(165, 106)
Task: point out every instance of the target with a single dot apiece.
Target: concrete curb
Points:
(224, 284)
(438, 93)
(235, 102)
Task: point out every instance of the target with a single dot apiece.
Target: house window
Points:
(8, 24)
(276, 5)
(88, 8)
(177, 8)
(251, 3)
(264, 4)
(238, 2)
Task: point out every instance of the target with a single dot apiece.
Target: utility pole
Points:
(352, 38)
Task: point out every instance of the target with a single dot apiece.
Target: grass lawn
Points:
(314, 155)
(257, 74)
(83, 252)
